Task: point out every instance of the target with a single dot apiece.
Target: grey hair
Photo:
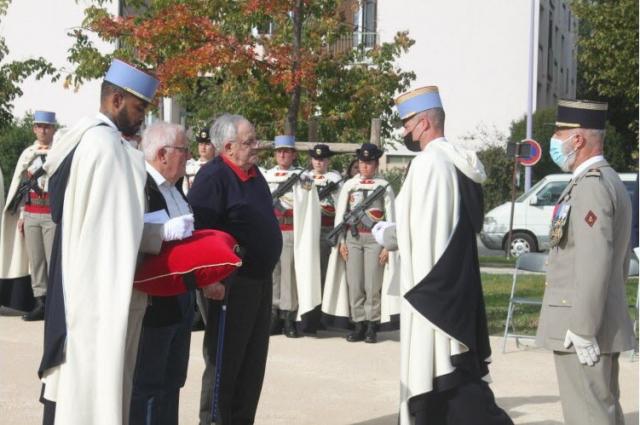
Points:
(595, 135)
(158, 135)
(225, 129)
(435, 116)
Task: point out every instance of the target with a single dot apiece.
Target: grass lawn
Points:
(497, 288)
(494, 261)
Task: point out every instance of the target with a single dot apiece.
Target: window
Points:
(369, 22)
(549, 194)
(266, 27)
(630, 186)
(550, 48)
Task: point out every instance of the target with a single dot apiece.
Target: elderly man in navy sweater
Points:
(230, 194)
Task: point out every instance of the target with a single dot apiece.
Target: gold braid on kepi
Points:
(581, 114)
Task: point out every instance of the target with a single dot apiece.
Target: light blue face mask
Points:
(557, 153)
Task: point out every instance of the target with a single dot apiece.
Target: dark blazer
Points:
(163, 311)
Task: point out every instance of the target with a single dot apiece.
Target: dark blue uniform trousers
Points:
(161, 370)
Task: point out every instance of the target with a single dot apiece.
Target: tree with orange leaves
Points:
(278, 62)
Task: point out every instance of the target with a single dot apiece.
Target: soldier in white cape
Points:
(97, 199)
(445, 347)
(15, 265)
(297, 286)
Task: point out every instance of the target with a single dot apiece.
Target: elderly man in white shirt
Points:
(163, 353)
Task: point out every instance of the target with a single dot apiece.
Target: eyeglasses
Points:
(250, 143)
(180, 148)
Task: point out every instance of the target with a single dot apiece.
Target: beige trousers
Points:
(590, 395)
(39, 230)
(285, 291)
(364, 277)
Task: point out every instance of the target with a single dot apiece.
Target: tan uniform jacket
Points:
(587, 270)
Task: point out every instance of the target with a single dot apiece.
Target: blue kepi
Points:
(284, 142)
(418, 100)
(44, 117)
(132, 80)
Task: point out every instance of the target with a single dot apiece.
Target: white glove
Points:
(378, 231)
(586, 349)
(178, 228)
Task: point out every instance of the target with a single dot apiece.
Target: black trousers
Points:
(246, 343)
(471, 403)
(161, 370)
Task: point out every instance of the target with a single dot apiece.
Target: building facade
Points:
(477, 53)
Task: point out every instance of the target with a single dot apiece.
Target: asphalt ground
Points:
(318, 380)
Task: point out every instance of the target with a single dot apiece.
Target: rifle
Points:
(355, 216)
(25, 186)
(328, 189)
(283, 188)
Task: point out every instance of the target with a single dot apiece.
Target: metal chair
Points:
(531, 262)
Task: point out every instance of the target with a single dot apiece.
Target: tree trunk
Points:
(291, 123)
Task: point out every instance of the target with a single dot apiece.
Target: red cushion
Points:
(209, 254)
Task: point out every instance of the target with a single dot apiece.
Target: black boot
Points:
(370, 335)
(290, 329)
(38, 311)
(357, 334)
(276, 323)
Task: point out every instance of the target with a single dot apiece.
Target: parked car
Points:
(531, 217)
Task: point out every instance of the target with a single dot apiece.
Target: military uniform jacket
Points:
(191, 169)
(587, 270)
(328, 204)
(302, 217)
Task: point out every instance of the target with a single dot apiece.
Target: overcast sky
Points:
(35, 28)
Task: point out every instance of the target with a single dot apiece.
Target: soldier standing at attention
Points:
(27, 232)
(584, 317)
(328, 184)
(362, 266)
(206, 152)
(296, 277)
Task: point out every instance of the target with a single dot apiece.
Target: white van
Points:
(531, 216)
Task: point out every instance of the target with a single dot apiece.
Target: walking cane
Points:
(215, 403)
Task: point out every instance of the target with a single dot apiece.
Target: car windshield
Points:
(534, 189)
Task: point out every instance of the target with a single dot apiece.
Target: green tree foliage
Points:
(608, 63)
(14, 138)
(249, 57)
(615, 149)
(499, 169)
(13, 73)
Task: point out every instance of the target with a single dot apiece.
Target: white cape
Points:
(1, 192)
(14, 261)
(428, 212)
(102, 226)
(306, 234)
(306, 249)
(335, 301)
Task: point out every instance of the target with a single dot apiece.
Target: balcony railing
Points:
(356, 40)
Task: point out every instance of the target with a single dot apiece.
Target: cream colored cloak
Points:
(428, 210)
(306, 234)
(14, 262)
(102, 225)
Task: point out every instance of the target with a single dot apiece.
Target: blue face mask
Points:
(557, 152)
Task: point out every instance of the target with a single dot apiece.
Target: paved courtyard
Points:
(322, 380)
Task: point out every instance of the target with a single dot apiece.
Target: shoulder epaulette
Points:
(594, 172)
